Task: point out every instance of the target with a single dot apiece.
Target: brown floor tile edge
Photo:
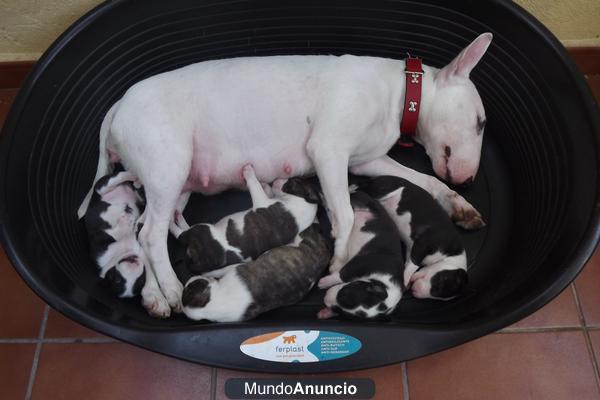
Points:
(587, 58)
(12, 74)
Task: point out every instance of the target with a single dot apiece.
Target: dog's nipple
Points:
(205, 180)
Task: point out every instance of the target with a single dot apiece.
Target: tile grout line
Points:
(36, 356)
(586, 335)
(59, 340)
(213, 384)
(405, 388)
(578, 306)
(80, 340)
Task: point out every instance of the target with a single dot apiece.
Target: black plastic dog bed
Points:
(537, 186)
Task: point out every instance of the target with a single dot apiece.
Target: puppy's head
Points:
(441, 284)
(196, 295)
(300, 187)
(127, 277)
(204, 252)
(363, 298)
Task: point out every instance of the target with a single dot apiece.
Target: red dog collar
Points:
(412, 101)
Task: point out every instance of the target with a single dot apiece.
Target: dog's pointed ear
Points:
(464, 63)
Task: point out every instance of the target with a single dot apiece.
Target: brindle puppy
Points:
(279, 277)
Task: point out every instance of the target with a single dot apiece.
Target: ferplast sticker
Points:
(300, 346)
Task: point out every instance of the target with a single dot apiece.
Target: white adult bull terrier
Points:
(194, 128)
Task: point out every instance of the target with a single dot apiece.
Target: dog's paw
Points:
(173, 294)
(329, 281)
(155, 303)
(463, 213)
(326, 313)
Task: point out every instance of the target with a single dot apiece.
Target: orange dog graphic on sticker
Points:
(289, 339)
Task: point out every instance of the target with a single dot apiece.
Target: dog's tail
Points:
(104, 166)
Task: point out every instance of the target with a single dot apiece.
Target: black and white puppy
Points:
(245, 235)
(370, 284)
(436, 265)
(277, 278)
(111, 221)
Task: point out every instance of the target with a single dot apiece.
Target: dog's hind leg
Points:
(163, 188)
(152, 298)
(153, 238)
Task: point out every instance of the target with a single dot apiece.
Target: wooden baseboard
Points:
(12, 74)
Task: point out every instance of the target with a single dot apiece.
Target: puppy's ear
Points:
(312, 194)
(184, 237)
(115, 281)
(378, 290)
(139, 283)
(196, 293)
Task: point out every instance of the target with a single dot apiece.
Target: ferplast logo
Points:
(292, 348)
(300, 346)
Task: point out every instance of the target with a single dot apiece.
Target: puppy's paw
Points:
(248, 172)
(155, 303)
(463, 213)
(173, 294)
(329, 281)
(326, 313)
(409, 269)
(335, 265)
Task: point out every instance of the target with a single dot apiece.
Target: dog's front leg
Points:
(332, 170)
(461, 212)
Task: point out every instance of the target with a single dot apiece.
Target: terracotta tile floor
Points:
(552, 354)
